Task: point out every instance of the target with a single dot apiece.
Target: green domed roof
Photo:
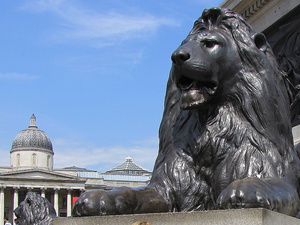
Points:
(128, 167)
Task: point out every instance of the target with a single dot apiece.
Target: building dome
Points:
(32, 138)
(32, 143)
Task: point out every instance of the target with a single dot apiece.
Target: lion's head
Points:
(224, 66)
(35, 210)
(221, 51)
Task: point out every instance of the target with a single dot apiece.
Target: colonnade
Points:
(61, 198)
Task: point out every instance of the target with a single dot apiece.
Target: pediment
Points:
(36, 174)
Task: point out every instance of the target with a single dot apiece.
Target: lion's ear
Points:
(260, 41)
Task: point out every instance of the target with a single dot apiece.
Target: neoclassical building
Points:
(31, 169)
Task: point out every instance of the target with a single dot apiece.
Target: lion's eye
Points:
(28, 202)
(210, 43)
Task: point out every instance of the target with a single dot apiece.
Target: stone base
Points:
(217, 217)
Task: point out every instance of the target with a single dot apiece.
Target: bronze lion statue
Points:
(225, 135)
(35, 210)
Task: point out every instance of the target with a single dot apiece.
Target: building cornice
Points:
(261, 14)
(31, 149)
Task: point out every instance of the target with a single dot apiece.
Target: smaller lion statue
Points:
(35, 210)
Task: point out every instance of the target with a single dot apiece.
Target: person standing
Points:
(16, 221)
(6, 221)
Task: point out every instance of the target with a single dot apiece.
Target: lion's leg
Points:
(122, 200)
(277, 194)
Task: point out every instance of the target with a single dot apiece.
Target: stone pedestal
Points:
(218, 217)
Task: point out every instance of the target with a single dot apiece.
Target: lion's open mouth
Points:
(195, 93)
(186, 83)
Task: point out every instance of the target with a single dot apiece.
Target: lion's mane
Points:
(35, 210)
(247, 133)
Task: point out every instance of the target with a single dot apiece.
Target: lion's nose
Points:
(180, 56)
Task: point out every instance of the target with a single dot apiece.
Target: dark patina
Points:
(225, 136)
(35, 210)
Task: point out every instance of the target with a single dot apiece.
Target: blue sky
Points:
(93, 72)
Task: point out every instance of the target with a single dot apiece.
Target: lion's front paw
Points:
(249, 193)
(98, 203)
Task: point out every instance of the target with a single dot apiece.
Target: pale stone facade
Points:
(31, 169)
(261, 14)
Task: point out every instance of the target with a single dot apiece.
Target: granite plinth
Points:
(217, 217)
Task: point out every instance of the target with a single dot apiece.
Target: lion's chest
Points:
(220, 137)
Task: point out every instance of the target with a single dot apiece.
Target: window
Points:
(48, 160)
(34, 159)
(18, 159)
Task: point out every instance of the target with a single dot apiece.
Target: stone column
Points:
(16, 200)
(56, 205)
(43, 192)
(69, 202)
(2, 202)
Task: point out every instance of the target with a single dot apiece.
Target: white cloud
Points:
(69, 153)
(153, 142)
(105, 28)
(16, 76)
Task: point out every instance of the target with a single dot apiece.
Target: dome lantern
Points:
(33, 121)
